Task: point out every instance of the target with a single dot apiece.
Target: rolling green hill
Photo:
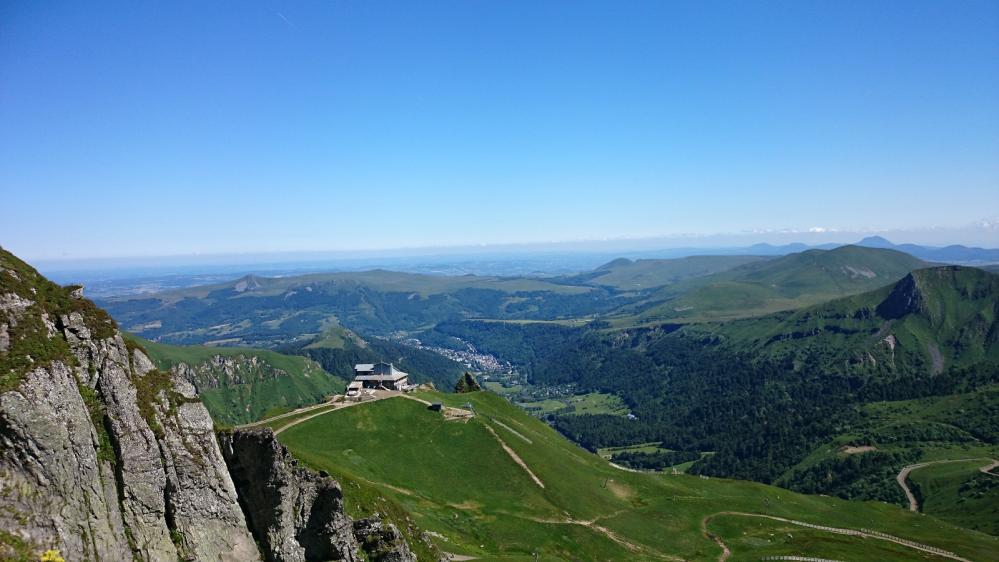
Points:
(930, 321)
(268, 312)
(505, 486)
(640, 275)
(762, 287)
(960, 492)
(241, 385)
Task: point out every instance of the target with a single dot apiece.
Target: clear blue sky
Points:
(162, 128)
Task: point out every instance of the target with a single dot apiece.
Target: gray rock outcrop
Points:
(382, 540)
(102, 457)
(105, 457)
(296, 514)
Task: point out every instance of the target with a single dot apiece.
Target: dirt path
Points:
(511, 430)
(903, 477)
(336, 407)
(592, 524)
(420, 400)
(987, 469)
(513, 455)
(285, 415)
(624, 468)
(704, 531)
(864, 533)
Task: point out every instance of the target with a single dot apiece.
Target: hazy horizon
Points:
(984, 234)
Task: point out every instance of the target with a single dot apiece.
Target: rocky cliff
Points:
(104, 457)
(297, 514)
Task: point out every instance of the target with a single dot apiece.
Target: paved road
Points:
(903, 476)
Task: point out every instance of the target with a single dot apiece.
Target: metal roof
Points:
(398, 375)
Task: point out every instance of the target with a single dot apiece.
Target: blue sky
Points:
(201, 127)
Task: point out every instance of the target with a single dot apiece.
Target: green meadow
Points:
(457, 482)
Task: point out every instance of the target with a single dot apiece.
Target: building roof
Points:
(378, 372)
(398, 375)
(355, 384)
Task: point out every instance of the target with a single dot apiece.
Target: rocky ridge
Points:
(297, 514)
(104, 457)
(221, 370)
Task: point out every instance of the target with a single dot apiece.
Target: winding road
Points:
(903, 476)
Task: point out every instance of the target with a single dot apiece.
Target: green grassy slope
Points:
(762, 287)
(241, 385)
(932, 320)
(960, 493)
(378, 279)
(456, 480)
(269, 312)
(627, 275)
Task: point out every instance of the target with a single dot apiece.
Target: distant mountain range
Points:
(955, 253)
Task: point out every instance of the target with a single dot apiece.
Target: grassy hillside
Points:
(961, 493)
(241, 385)
(640, 275)
(863, 460)
(377, 280)
(267, 312)
(457, 481)
(932, 320)
(762, 287)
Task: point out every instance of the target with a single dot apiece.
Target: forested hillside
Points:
(762, 393)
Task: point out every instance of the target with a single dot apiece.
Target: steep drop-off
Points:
(105, 457)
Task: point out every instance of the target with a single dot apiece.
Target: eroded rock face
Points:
(102, 457)
(224, 370)
(201, 501)
(296, 514)
(382, 541)
(105, 457)
(905, 298)
(55, 491)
